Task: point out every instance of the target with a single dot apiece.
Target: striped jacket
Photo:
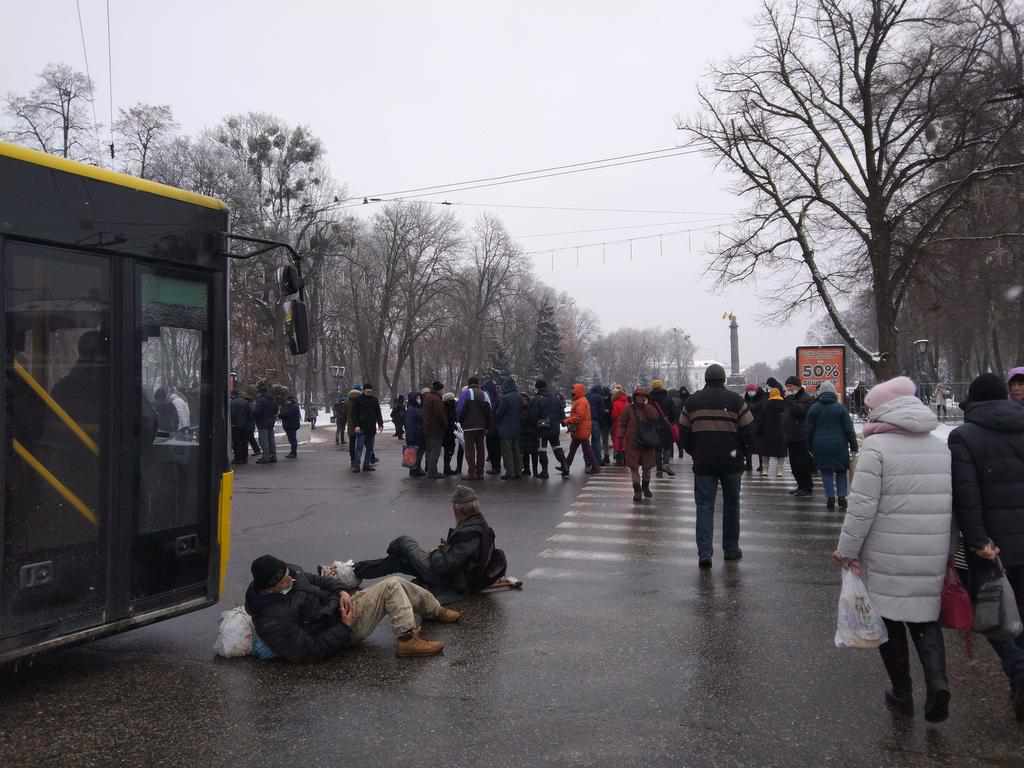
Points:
(717, 429)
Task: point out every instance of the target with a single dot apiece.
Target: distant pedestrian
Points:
(771, 432)
(338, 411)
(896, 535)
(476, 416)
(580, 425)
(1015, 381)
(398, 417)
(508, 417)
(435, 427)
(264, 412)
(241, 427)
(546, 412)
(751, 396)
(595, 398)
(452, 445)
(660, 399)
(529, 440)
(717, 427)
(350, 424)
(832, 439)
(857, 399)
(798, 403)
(493, 441)
(368, 421)
(413, 430)
(633, 419)
(291, 420)
(988, 503)
(311, 415)
(619, 403)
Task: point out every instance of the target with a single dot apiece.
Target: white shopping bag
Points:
(343, 571)
(234, 638)
(858, 624)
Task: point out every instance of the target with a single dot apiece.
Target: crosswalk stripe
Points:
(836, 525)
(791, 510)
(691, 530)
(619, 557)
(568, 573)
(562, 538)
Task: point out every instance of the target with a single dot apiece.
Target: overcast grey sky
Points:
(407, 94)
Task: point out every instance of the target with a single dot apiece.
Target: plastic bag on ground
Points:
(343, 571)
(859, 625)
(234, 638)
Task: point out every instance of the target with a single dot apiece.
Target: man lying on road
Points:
(467, 561)
(301, 616)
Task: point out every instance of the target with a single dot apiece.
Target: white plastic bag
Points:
(344, 571)
(858, 624)
(460, 436)
(234, 638)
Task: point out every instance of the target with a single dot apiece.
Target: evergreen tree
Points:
(546, 354)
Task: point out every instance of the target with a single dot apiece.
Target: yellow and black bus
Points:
(116, 502)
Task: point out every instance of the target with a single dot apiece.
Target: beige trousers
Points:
(394, 597)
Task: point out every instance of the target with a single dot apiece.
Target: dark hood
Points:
(509, 386)
(997, 415)
(827, 398)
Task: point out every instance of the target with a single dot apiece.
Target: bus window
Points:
(58, 373)
(172, 526)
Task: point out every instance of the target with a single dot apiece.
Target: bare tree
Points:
(142, 128)
(839, 124)
(53, 115)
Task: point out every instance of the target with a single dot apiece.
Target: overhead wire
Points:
(610, 229)
(88, 74)
(630, 240)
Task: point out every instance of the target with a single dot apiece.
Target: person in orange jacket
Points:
(619, 403)
(580, 425)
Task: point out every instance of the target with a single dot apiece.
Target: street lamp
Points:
(337, 371)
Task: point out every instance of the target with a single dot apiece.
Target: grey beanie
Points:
(826, 386)
(463, 495)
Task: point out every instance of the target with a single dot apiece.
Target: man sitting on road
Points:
(467, 561)
(301, 616)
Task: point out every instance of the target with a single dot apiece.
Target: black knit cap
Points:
(988, 386)
(540, 384)
(714, 372)
(437, 386)
(474, 381)
(794, 380)
(267, 570)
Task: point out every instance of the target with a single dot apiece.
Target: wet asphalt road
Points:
(618, 652)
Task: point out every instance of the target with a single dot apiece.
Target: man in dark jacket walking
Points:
(435, 425)
(368, 420)
(291, 420)
(508, 421)
(338, 410)
(798, 403)
(660, 399)
(600, 413)
(467, 561)
(264, 412)
(304, 617)
(717, 433)
(988, 501)
(241, 427)
(547, 412)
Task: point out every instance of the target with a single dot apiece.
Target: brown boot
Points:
(412, 644)
(447, 616)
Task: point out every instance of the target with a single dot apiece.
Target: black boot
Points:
(830, 502)
(543, 466)
(636, 492)
(647, 489)
(533, 461)
(560, 458)
(842, 502)
(900, 702)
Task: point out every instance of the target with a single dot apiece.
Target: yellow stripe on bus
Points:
(227, 485)
(54, 406)
(56, 484)
(111, 177)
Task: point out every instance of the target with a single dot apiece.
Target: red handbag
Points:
(675, 432)
(957, 611)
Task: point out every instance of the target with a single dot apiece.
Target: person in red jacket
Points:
(580, 424)
(619, 403)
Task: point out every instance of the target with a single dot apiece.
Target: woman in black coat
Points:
(770, 433)
(988, 501)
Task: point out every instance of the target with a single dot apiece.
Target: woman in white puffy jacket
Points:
(897, 534)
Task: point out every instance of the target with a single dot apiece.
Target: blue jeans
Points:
(595, 443)
(835, 482)
(705, 487)
(364, 442)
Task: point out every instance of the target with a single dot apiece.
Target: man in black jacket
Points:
(264, 413)
(546, 411)
(291, 421)
(368, 420)
(435, 426)
(467, 561)
(798, 403)
(988, 500)
(716, 426)
(241, 427)
(302, 617)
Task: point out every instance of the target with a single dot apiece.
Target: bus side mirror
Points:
(296, 326)
(288, 280)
